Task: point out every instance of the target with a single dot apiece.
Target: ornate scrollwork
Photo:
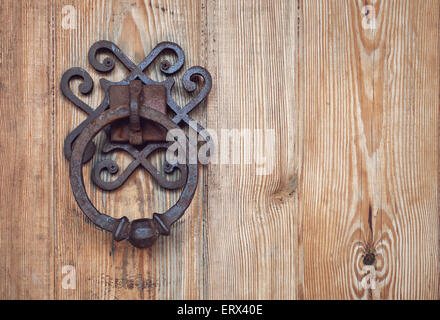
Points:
(79, 147)
(85, 88)
(136, 72)
(139, 160)
(108, 64)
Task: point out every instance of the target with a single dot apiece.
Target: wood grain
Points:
(173, 268)
(369, 107)
(252, 57)
(26, 152)
(353, 172)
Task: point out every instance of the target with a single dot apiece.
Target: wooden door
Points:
(350, 90)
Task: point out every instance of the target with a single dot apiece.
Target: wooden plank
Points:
(252, 231)
(408, 96)
(368, 108)
(174, 267)
(353, 170)
(26, 153)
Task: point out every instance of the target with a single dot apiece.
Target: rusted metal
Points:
(152, 96)
(133, 116)
(139, 160)
(141, 235)
(135, 134)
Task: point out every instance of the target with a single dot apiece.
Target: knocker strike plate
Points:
(133, 115)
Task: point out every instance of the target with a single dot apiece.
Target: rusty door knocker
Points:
(133, 115)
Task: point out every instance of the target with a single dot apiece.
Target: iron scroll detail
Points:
(133, 115)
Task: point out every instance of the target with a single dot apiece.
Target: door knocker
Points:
(133, 115)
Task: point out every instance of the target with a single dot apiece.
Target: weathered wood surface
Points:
(26, 152)
(355, 113)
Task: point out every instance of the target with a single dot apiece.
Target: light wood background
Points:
(355, 113)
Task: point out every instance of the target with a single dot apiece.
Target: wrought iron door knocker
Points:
(134, 117)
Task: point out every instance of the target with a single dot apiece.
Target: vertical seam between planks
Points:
(52, 51)
(299, 223)
(438, 148)
(370, 292)
(205, 191)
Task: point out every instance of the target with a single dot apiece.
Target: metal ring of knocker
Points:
(133, 115)
(141, 232)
